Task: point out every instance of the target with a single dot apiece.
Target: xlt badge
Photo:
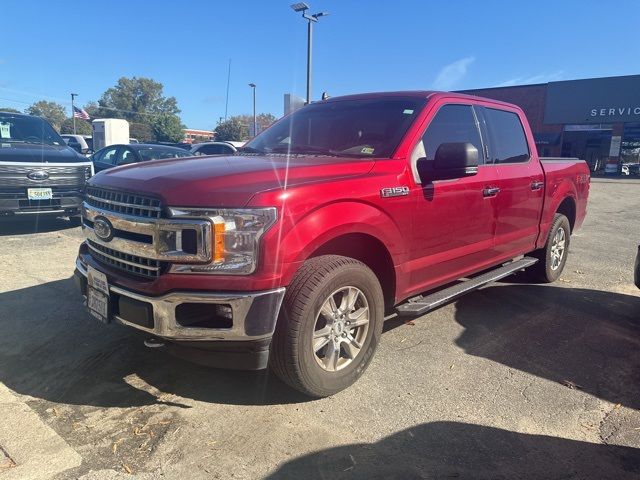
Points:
(394, 192)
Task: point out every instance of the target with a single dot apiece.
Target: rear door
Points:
(521, 181)
(454, 220)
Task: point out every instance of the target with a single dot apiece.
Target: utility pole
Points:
(255, 120)
(73, 111)
(226, 106)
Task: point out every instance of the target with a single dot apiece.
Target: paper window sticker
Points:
(408, 111)
(5, 131)
(367, 150)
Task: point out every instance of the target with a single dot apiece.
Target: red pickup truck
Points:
(291, 252)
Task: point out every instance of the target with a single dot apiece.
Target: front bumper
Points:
(60, 203)
(253, 315)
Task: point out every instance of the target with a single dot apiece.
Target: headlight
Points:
(235, 239)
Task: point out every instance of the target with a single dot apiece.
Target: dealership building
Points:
(595, 119)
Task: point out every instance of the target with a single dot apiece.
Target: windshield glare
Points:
(358, 128)
(16, 128)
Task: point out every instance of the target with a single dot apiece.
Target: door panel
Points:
(519, 207)
(454, 222)
(454, 226)
(521, 182)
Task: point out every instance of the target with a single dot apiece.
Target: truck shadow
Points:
(29, 224)
(50, 348)
(581, 338)
(466, 451)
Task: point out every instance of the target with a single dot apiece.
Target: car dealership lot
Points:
(513, 381)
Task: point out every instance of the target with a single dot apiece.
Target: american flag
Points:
(80, 113)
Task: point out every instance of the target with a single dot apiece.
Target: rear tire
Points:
(553, 257)
(329, 326)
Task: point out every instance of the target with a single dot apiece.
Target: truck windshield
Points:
(358, 128)
(25, 129)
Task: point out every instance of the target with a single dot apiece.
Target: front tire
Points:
(329, 326)
(553, 257)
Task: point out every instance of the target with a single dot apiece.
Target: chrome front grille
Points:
(67, 176)
(134, 264)
(123, 202)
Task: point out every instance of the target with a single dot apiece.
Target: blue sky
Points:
(53, 48)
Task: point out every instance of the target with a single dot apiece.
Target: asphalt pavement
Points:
(512, 381)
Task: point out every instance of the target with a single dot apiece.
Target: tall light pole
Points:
(303, 7)
(73, 111)
(255, 120)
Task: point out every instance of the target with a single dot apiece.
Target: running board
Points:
(425, 303)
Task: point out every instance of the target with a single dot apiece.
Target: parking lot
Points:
(512, 381)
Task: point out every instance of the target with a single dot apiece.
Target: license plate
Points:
(97, 280)
(98, 304)
(39, 193)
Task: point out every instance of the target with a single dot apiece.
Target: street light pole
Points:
(255, 120)
(73, 112)
(303, 7)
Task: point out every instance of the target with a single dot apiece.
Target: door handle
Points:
(537, 185)
(490, 191)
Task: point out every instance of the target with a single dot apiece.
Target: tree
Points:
(136, 99)
(141, 132)
(168, 128)
(263, 120)
(233, 129)
(9, 110)
(83, 127)
(139, 100)
(52, 111)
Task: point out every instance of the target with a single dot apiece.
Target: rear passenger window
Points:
(452, 124)
(508, 142)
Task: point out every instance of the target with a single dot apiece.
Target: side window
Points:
(126, 157)
(214, 149)
(452, 124)
(508, 141)
(109, 156)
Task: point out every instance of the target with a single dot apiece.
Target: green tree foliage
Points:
(263, 119)
(168, 128)
(83, 127)
(141, 132)
(136, 99)
(52, 111)
(9, 110)
(233, 129)
(142, 102)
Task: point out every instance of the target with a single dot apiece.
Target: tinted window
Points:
(452, 124)
(108, 155)
(214, 149)
(508, 142)
(368, 127)
(127, 156)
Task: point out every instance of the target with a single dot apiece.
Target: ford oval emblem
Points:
(103, 228)
(37, 175)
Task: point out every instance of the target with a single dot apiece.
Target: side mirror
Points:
(452, 160)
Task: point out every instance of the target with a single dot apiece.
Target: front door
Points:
(454, 220)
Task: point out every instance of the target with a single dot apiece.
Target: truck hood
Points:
(35, 153)
(226, 181)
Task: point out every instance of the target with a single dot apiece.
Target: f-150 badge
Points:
(394, 192)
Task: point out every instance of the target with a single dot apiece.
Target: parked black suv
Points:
(39, 173)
